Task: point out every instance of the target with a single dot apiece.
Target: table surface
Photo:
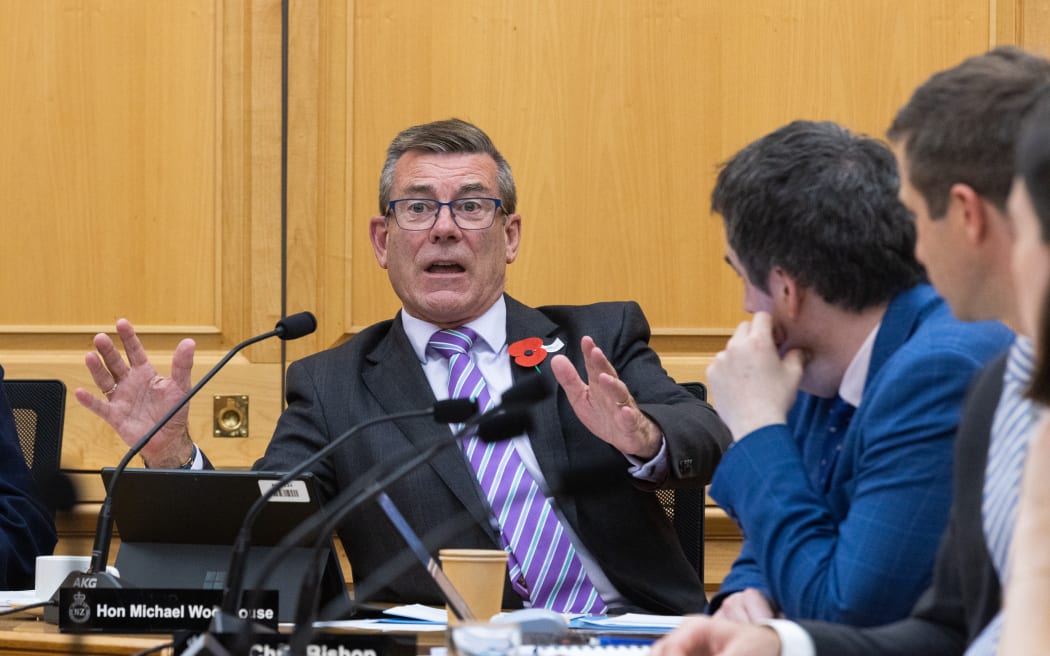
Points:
(28, 635)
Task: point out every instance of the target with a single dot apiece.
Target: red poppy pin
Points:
(531, 351)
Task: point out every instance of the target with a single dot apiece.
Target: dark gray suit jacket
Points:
(964, 595)
(376, 373)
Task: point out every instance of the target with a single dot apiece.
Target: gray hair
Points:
(450, 136)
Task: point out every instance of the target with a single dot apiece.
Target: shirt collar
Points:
(852, 387)
(491, 328)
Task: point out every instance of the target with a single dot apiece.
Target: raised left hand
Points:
(604, 404)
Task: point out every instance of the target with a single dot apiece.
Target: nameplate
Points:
(145, 610)
(321, 644)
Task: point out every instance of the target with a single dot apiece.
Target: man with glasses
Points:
(448, 227)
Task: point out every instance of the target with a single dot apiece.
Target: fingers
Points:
(89, 401)
(108, 364)
(795, 364)
(691, 638)
(760, 329)
(762, 324)
(746, 606)
(732, 612)
(567, 377)
(182, 363)
(605, 385)
(594, 360)
(99, 373)
(132, 345)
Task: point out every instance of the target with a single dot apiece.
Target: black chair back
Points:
(39, 407)
(685, 507)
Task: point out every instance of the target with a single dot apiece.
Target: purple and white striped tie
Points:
(542, 562)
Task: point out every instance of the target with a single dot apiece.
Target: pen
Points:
(612, 641)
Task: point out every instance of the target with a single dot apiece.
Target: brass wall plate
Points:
(230, 416)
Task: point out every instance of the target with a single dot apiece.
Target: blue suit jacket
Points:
(858, 547)
(26, 527)
(965, 593)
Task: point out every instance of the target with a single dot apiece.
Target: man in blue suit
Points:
(844, 391)
(26, 527)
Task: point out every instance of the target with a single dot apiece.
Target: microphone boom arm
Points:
(239, 554)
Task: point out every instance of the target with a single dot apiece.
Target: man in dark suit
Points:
(446, 231)
(954, 142)
(843, 392)
(26, 527)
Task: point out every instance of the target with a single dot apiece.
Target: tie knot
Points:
(453, 341)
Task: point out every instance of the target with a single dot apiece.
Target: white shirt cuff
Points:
(656, 470)
(794, 641)
(198, 459)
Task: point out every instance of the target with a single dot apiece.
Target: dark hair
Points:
(1033, 167)
(961, 124)
(449, 136)
(821, 203)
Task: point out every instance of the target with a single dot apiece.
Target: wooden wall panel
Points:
(614, 115)
(109, 120)
(143, 168)
(142, 180)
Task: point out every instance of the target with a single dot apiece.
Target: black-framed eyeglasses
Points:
(422, 213)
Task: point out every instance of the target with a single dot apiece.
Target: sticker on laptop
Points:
(291, 492)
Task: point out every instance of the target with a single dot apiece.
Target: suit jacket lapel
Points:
(548, 442)
(903, 316)
(395, 378)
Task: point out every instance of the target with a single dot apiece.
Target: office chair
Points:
(39, 407)
(685, 507)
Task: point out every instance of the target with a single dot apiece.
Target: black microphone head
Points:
(454, 411)
(529, 389)
(504, 425)
(296, 325)
(586, 480)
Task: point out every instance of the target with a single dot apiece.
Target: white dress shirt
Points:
(490, 356)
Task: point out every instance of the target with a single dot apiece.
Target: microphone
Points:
(290, 327)
(528, 390)
(497, 424)
(444, 412)
(491, 425)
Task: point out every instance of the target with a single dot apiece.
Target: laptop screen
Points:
(177, 528)
(176, 506)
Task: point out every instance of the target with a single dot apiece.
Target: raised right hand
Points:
(751, 384)
(135, 396)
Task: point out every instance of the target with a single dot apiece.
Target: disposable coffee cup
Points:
(52, 570)
(478, 575)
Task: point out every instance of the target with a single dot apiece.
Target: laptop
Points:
(177, 528)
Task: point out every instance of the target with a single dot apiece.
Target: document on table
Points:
(627, 623)
(10, 599)
(417, 618)
(413, 618)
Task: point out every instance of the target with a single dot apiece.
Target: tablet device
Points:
(177, 528)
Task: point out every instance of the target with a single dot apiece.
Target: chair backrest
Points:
(686, 506)
(39, 407)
